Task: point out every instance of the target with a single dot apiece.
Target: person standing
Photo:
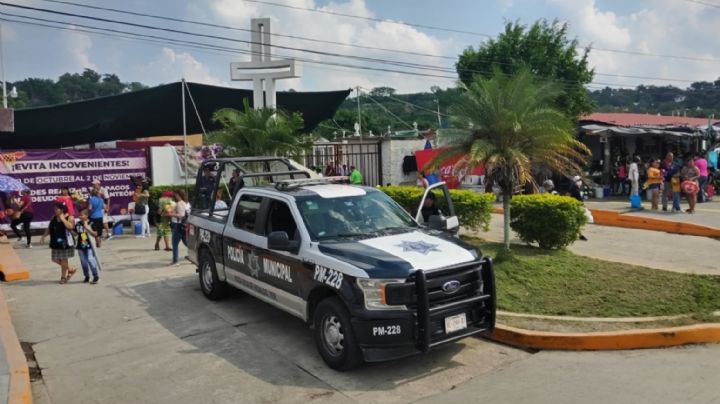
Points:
(165, 206)
(654, 182)
(634, 176)
(104, 194)
(576, 192)
(689, 176)
(177, 219)
(330, 170)
(88, 260)
(356, 177)
(676, 191)
(96, 206)
(668, 169)
(702, 166)
(141, 199)
(23, 215)
(67, 200)
(61, 241)
(421, 180)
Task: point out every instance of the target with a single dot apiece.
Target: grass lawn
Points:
(536, 281)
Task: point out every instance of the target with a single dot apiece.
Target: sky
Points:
(680, 31)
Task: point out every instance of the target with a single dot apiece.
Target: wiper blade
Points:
(342, 235)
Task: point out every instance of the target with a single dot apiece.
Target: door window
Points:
(280, 218)
(246, 212)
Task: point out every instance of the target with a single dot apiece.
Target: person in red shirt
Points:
(66, 200)
(25, 210)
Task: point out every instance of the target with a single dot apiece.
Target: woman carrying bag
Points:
(62, 244)
(689, 176)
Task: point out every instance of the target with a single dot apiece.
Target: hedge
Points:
(552, 221)
(473, 209)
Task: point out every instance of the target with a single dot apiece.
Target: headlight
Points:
(374, 293)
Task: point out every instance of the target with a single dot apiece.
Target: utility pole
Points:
(437, 101)
(362, 157)
(2, 66)
(185, 141)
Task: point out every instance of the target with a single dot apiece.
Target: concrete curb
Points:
(11, 266)
(607, 341)
(610, 218)
(19, 391)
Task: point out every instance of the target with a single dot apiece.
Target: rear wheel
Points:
(334, 335)
(212, 287)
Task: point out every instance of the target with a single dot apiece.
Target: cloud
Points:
(659, 27)
(78, 48)
(171, 66)
(318, 76)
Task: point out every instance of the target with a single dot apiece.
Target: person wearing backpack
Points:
(61, 241)
(88, 259)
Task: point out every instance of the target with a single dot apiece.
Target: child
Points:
(675, 184)
(88, 260)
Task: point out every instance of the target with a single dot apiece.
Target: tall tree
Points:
(259, 132)
(544, 49)
(508, 124)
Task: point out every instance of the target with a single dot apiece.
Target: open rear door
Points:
(444, 217)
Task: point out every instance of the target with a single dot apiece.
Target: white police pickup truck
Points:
(372, 281)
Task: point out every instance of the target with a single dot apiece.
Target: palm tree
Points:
(512, 129)
(259, 132)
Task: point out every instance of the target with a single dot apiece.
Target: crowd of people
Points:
(340, 170)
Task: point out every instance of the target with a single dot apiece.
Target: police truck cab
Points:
(373, 282)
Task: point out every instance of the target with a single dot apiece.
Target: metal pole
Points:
(362, 157)
(437, 100)
(185, 142)
(2, 66)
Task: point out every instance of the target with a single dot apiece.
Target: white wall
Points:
(393, 151)
(165, 167)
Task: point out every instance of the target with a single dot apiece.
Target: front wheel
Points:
(334, 335)
(212, 287)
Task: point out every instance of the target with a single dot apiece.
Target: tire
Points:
(334, 336)
(212, 287)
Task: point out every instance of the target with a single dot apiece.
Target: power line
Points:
(637, 53)
(207, 24)
(324, 53)
(457, 31)
(388, 111)
(73, 27)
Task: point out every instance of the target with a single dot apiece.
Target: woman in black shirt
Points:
(61, 241)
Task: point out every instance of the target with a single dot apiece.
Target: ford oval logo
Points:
(451, 286)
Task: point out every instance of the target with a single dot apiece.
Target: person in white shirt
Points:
(177, 224)
(634, 176)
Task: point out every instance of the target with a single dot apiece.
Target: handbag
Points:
(140, 209)
(690, 187)
(70, 243)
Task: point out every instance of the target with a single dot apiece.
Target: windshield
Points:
(367, 215)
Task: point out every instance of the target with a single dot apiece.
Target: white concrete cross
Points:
(262, 70)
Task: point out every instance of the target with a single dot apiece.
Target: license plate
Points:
(455, 323)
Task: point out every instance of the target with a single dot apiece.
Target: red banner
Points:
(446, 171)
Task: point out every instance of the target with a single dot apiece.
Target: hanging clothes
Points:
(409, 165)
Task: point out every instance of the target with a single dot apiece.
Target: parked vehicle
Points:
(372, 281)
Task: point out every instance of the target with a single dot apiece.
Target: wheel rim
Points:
(333, 335)
(207, 277)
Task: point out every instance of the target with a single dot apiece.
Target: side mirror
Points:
(279, 240)
(450, 224)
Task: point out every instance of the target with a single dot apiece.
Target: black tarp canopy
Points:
(152, 112)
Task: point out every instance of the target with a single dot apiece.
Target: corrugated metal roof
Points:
(625, 119)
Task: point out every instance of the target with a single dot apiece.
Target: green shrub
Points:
(473, 209)
(552, 221)
(156, 193)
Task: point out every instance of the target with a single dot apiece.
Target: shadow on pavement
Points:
(268, 343)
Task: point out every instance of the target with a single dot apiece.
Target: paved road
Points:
(146, 334)
(653, 249)
(680, 375)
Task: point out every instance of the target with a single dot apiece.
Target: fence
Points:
(365, 155)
